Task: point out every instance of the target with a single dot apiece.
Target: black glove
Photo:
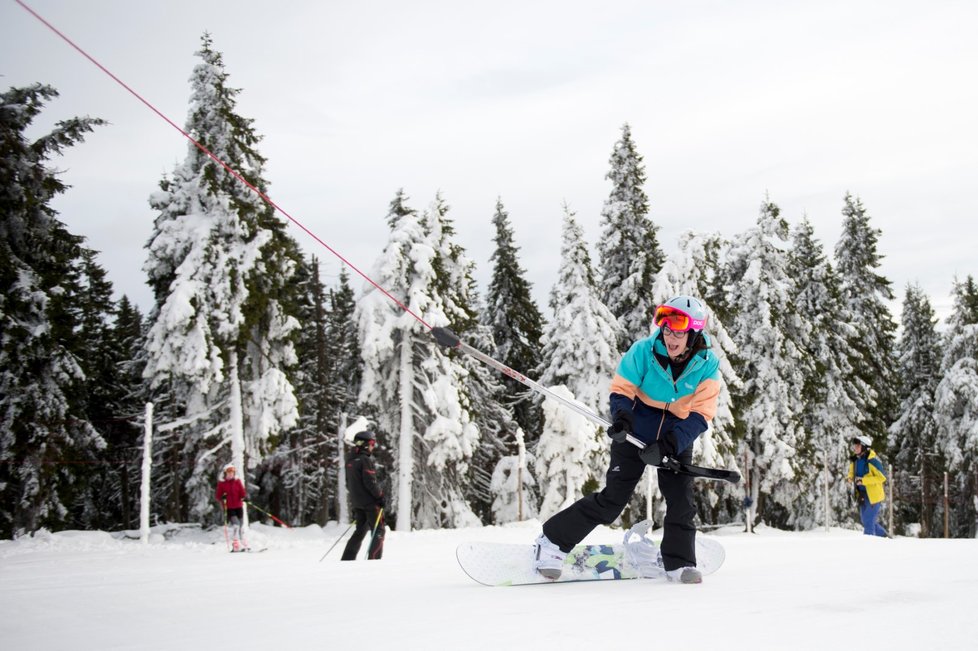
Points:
(622, 426)
(654, 453)
(381, 502)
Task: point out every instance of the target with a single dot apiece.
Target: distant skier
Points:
(366, 497)
(231, 494)
(664, 393)
(867, 476)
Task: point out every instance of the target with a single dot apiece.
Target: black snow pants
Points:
(570, 526)
(365, 519)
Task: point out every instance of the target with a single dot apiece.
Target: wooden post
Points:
(825, 477)
(749, 494)
(925, 509)
(520, 462)
(946, 504)
(892, 500)
(648, 495)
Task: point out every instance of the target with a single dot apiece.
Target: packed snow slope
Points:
(777, 590)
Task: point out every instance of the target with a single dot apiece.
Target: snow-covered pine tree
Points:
(691, 270)
(126, 432)
(343, 349)
(498, 431)
(565, 456)
(217, 345)
(293, 476)
(580, 345)
(417, 391)
(513, 486)
(914, 436)
(865, 296)
(956, 400)
(516, 324)
(43, 410)
(454, 435)
(831, 391)
(113, 404)
(769, 362)
(345, 373)
(629, 255)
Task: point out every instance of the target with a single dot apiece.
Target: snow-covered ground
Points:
(777, 590)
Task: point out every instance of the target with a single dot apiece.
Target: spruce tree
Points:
(44, 413)
(865, 296)
(830, 393)
(580, 345)
(956, 400)
(914, 436)
(99, 484)
(293, 477)
(565, 458)
(770, 364)
(418, 392)
(629, 254)
(220, 334)
(516, 324)
(125, 435)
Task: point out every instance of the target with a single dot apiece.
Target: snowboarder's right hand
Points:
(619, 431)
(621, 427)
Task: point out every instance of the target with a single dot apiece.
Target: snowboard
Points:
(497, 564)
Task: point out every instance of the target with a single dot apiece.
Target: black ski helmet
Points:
(364, 437)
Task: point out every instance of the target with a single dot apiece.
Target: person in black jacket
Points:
(366, 497)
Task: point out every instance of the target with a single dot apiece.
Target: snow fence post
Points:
(342, 515)
(144, 484)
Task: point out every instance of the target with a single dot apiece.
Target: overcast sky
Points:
(728, 101)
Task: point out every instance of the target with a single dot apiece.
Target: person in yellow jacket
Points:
(867, 476)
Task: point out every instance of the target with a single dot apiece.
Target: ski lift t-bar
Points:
(449, 339)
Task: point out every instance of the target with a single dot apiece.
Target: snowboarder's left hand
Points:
(654, 453)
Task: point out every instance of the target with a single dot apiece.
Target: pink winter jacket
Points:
(234, 490)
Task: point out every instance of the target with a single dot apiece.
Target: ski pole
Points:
(266, 513)
(373, 535)
(336, 542)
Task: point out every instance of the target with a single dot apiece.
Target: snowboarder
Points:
(366, 497)
(664, 393)
(867, 476)
(231, 494)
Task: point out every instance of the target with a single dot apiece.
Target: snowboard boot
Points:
(549, 560)
(685, 575)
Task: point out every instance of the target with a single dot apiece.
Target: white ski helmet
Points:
(863, 440)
